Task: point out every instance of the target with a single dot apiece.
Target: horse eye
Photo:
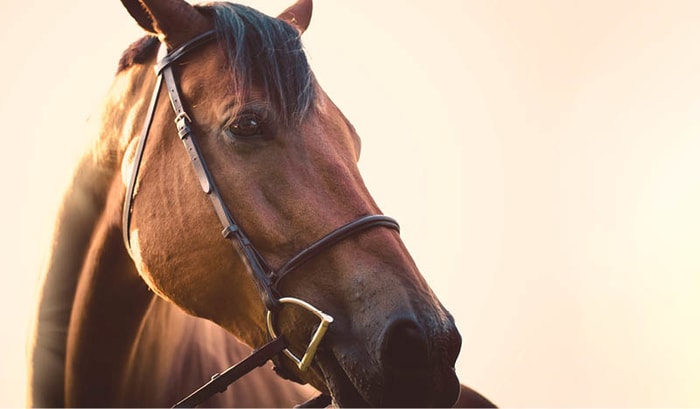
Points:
(246, 126)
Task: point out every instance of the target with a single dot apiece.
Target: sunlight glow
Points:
(541, 157)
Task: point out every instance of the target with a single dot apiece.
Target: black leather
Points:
(221, 381)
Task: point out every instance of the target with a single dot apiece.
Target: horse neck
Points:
(82, 253)
(109, 304)
(83, 249)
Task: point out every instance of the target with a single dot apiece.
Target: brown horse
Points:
(145, 323)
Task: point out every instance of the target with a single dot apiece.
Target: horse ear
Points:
(298, 14)
(173, 21)
(139, 14)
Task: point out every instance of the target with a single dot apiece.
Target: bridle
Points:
(266, 279)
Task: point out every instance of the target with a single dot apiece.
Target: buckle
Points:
(304, 362)
(183, 121)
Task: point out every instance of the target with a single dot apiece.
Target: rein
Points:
(266, 279)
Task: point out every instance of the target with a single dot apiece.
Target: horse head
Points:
(283, 159)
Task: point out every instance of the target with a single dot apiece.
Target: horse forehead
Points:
(206, 73)
(207, 80)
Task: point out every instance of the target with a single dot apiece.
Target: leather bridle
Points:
(266, 279)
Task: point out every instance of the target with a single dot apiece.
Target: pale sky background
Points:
(543, 158)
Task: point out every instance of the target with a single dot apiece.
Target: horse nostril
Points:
(405, 346)
(406, 359)
(418, 364)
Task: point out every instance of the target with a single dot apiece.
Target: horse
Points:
(143, 299)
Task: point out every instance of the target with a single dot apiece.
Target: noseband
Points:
(266, 279)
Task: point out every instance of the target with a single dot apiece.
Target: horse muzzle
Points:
(410, 366)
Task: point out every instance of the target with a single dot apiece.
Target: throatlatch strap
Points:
(136, 165)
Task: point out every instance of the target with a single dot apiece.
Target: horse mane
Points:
(261, 50)
(139, 52)
(265, 51)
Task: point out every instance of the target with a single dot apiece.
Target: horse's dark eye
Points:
(246, 126)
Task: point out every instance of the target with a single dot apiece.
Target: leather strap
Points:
(163, 62)
(331, 239)
(136, 165)
(219, 382)
(320, 401)
(171, 57)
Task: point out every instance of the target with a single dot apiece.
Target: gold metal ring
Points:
(325, 321)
